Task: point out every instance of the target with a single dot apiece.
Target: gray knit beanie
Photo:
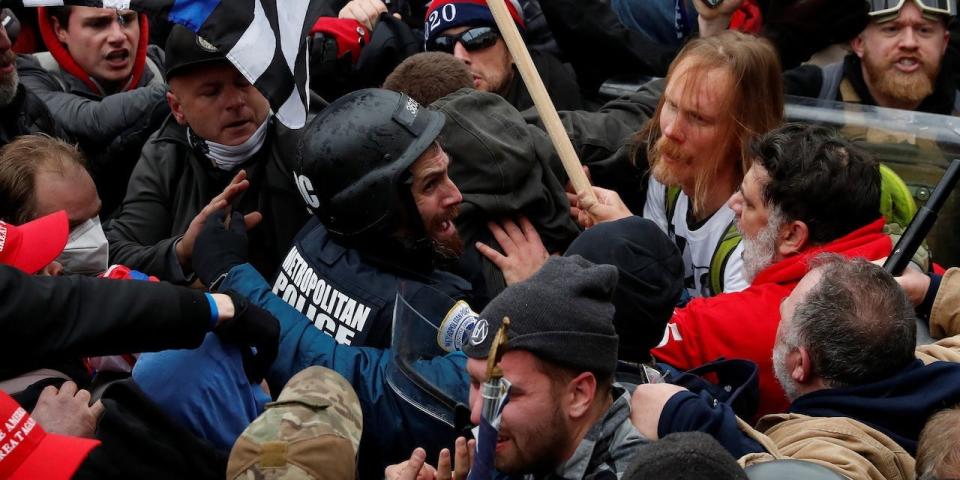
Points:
(562, 314)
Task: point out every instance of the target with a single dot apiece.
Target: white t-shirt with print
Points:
(696, 245)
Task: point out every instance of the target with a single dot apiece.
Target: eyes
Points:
(126, 20)
(213, 90)
(925, 30)
(694, 118)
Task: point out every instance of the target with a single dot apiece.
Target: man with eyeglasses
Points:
(897, 61)
(466, 29)
(103, 84)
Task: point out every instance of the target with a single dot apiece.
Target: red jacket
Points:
(744, 324)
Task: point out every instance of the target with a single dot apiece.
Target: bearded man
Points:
(721, 92)
(896, 61)
(808, 191)
(370, 169)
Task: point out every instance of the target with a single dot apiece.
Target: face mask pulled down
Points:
(87, 251)
(229, 157)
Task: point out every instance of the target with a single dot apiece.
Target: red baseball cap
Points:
(29, 452)
(33, 245)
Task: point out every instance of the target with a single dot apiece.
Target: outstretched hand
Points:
(523, 251)
(67, 411)
(607, 207)
(184, 247)
(416, 467)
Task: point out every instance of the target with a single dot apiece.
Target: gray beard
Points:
(780, 351)
(8, 88)
(758, 252)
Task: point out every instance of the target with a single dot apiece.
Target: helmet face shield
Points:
(883, 8)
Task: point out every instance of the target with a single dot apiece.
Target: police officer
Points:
(371, 171)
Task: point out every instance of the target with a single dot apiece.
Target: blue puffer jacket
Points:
(398, 414)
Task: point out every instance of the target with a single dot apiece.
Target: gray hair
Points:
(856, 323)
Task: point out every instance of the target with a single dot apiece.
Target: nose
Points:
(460, 52)
(116, 33)
(908, 40)
(233, 98)
(452, 195)
(673, 128)
(4, 39)
(476, 404)
(736, 203)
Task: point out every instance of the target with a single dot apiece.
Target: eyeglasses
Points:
(879, 8)
(474, 39)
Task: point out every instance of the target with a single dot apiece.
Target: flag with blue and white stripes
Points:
(267, 44)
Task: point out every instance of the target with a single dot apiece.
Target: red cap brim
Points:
(43, 241)
(56, 457)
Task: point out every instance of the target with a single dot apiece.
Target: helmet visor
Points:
(880, 8)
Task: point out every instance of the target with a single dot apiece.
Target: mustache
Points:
(672, 149)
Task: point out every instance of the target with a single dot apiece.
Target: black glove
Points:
(218, 249)
(256, 332)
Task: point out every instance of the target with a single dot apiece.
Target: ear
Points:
(580, 394)
(857, 45)
(59, 30)
(946, 40)
(176, 109)
(801, 370)
(793, 238)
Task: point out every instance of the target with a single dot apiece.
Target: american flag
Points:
(267, 44)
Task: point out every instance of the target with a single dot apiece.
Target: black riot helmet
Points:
(354, 158)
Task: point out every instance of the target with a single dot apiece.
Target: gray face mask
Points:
(87, 251)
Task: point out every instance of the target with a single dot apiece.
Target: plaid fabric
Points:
(607, 448)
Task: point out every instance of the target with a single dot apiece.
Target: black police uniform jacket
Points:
(350, 293)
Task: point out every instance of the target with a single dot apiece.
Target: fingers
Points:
(413, 466)
(252, 219)
(97, 409)
(462, 459)
(68, 388)
(494, 256)
(529, 231)
(444, 465)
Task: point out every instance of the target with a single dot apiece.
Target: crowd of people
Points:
(191, 289)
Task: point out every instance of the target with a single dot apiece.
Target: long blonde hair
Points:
(753, 107)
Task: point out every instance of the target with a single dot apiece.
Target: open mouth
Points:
(907, 65)
(238, 124)
(117, 57)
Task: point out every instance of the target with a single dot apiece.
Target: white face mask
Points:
(229, 157)
(87, 251)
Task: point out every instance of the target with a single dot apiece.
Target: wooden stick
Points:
(541, 100)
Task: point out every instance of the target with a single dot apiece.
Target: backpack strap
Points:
(670, 201)
(832, 75)
(718, 263)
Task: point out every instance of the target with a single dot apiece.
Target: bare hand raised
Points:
(523, 251)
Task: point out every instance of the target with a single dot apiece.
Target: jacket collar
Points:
(866, 241)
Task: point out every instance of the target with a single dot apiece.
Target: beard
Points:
(8, 87)
(535, 450)
(904, 87)
(446, 248)
(780, 351)
(758, 252)
(672, 173)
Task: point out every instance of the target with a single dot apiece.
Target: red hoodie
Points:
(69, 65)
(744, 324)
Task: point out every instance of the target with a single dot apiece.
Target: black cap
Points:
(561, 314)
(685, 456)
(186, 49)
(650, 281)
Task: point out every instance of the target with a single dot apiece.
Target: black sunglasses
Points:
(474, 39)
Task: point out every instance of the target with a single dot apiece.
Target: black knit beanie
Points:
(562, 314)
(650, 280)
(684, 456)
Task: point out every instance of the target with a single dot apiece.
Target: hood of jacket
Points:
(69, 65)
(868, 241)
(898, 406)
